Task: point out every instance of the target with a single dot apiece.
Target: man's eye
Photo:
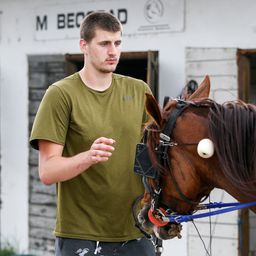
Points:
(117, 43)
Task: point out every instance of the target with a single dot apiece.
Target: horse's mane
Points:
(232, 128)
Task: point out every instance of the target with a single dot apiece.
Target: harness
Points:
(144, 167)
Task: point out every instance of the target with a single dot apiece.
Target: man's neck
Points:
(98, 81)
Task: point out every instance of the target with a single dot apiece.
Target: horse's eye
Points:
(205, 148)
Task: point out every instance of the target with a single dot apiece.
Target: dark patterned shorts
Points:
(78, 247)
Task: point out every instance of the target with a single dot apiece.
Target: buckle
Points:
(164, 137)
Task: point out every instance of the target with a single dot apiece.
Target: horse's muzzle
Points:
(169, 231)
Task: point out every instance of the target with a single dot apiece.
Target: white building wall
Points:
(219, 23)
(219, 233)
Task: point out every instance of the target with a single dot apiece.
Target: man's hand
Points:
(101, 149)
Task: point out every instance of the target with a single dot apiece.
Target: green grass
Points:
(7, 252)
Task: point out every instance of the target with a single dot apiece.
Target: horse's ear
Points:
(153, 108)
(202, 91)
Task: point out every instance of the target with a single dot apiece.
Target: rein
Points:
(228, 207)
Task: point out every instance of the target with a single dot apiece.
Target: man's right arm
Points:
(53, 167)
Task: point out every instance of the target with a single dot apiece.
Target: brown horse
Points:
(187, 166)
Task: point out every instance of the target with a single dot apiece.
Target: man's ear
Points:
(83, 45)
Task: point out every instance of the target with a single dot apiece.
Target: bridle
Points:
(144, 167)
(161, 151)
(157, 208)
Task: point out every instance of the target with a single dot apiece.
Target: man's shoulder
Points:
(127, 79)
(67, 81)
(131, 84)
(66, 87)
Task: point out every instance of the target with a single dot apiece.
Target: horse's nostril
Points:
(174, 230)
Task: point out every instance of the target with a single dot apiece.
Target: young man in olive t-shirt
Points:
(86, 129)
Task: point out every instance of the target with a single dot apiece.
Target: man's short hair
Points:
(98, 20)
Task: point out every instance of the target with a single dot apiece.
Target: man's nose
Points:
(112, 50)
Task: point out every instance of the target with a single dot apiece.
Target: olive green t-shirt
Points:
(97, 204)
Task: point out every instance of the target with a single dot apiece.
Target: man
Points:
(86, 130)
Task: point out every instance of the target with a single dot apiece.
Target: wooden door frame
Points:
(244, 73)
(244, 94)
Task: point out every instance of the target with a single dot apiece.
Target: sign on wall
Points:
(61, 21)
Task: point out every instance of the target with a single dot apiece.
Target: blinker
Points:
(143, 165)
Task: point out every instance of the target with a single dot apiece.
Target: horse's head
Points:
(173, 141)
(194, 146)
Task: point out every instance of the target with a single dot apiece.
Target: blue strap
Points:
(231, 207)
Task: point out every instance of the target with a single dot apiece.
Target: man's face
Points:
(103, 51)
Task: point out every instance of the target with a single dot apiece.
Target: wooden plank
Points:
(224, 82)
(33, 157)
(41, 247)
(218, 82)
(36, 198)
(212, 68)
(34, 172)
(36, 94)
(200, 54)
(42, 233)
(224, 95)
(33, 107)
(38, 81)
(41, 222)
(42, 210)
(38, 187)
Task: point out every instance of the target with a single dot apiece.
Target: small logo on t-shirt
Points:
(127, 98)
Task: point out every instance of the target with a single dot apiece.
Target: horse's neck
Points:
(236, 192)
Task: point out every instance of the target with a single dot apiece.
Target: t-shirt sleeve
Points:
(52, 118)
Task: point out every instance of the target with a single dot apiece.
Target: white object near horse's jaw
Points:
(205, 148)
